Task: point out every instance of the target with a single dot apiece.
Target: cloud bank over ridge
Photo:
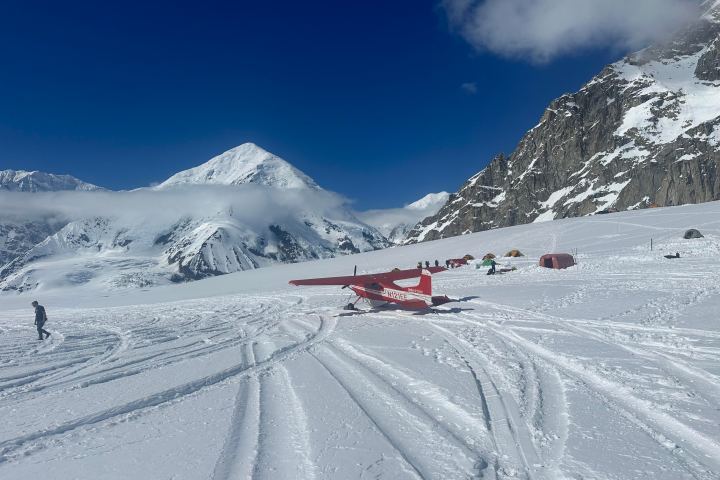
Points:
(541, 30)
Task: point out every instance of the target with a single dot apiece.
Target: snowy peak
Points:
(430, 201)
(244, 164)
(25, 181)
(395, 223)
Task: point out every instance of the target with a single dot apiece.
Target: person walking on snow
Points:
(40, 319)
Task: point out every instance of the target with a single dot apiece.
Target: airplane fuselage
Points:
(412, 298)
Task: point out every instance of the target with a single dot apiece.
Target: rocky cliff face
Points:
(18, 236)
(643, 132)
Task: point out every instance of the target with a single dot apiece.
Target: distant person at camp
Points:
(437, 264)
(493, 263)
(419, 265)
(447, 263)
(40, 319)
(427, 264)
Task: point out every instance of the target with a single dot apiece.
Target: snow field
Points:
(607, 370)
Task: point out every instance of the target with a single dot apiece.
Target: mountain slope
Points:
(644, 132)
(18, 233)
(242, 210)
(24, 181)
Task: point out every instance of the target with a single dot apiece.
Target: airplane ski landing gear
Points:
(350, 306)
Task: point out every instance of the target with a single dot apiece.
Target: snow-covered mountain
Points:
(644, 132)
(241, 210)
(395, 223)
(241, 165)
(24, 181)
(18, 233)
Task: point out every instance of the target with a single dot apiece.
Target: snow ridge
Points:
(35, 181)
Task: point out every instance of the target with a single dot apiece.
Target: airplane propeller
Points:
(354, 275)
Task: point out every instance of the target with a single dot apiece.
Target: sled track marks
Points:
(511, 436)
(84, 352)
(430, 446)
(284, 447)
(11, 447)
(700, 381)
(700, 454)
(239, 451)
(376, 418)
(98, 369)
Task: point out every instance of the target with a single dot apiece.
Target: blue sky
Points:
(365, 97)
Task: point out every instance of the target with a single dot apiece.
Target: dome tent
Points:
(557, 260)
(692, 233)
(514, 253)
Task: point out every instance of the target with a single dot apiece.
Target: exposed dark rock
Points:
(645, 131)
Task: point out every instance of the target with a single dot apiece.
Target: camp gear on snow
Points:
(457, 262)
(469, 257)
(677, 255)
(692, 233)
(488, 256)
(514, 253)
(557, 260)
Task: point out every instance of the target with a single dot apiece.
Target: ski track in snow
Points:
(495, 387)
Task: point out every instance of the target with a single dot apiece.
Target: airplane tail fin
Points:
(425, 285)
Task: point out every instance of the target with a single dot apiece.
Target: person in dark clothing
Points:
(419, 265)
(437, 264)
(492, 267)
(447, 263)
(40, 319)
(427, 264)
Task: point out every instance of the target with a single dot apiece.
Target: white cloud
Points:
(385, 220)
(540, 30)
(469, 88)
(254, 205)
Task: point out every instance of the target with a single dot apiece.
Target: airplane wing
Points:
(370, 278)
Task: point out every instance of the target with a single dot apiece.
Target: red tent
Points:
(557, 260)
(458, 262)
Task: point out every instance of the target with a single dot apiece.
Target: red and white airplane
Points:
(380, 289)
